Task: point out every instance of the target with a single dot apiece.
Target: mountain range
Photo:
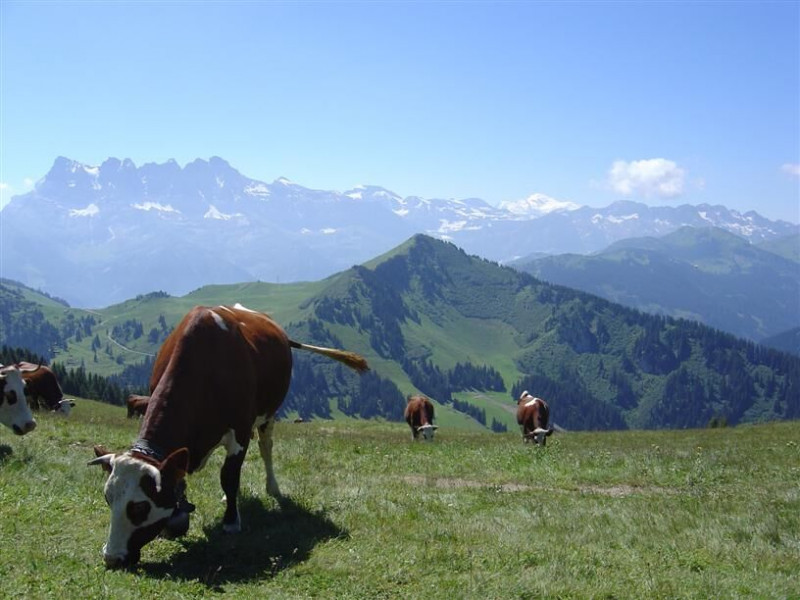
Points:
(96, 235)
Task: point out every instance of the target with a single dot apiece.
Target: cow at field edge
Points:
(533, 415)
(419, 416)
(14, 410)
(222, 373)
(42, 387)
(137, 405)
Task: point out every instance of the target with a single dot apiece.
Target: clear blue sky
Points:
(590, 102)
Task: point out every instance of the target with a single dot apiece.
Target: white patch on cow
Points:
(241, 307)
(219, 321)
(232, 447)
(18, 414)
(228, 440)
(531, 402)
(122, 487)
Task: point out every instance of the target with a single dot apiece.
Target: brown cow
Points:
(137, 405)
(533, 415)
(221, 373)
(419, 416)
(42, 388)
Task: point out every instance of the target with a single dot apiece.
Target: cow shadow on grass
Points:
(271, 540)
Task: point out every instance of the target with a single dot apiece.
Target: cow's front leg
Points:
(229, 478)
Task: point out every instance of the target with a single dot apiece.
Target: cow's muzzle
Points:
(120, 561)
(26, 428)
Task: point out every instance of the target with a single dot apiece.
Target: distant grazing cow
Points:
(42, 388)
(14, 410)
(533, 415)
(419, 416)
(221, 373)
(137, 405)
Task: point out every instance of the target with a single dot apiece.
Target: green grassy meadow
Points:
(669, 514)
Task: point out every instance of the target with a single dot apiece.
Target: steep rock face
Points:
(95, 235)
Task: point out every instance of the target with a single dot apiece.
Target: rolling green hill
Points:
(472, 335)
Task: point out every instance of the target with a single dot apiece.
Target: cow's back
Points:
(419, 411)
(219, 369)
(533, 413)
(41, 383)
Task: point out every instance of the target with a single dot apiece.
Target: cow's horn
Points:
(101, 460)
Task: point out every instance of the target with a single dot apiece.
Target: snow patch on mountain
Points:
(537, 205)
(89, 211)
(213, 213)
(148, 206)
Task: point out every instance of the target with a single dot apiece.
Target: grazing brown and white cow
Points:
(533, 415)
(222, 373)
(419, 416)
(42, 388)
(137, 405)
(14, 410)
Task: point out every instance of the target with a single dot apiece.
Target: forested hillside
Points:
(704, 274)
(472, 335)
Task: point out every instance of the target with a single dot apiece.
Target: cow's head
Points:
(14, 410)
(65, 406)
(145, 497)
(426, 431)
(540, 435)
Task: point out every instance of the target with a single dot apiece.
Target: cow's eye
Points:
(138, 511)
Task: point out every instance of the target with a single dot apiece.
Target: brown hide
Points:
(137, 405)
(419, 412)
(41, 386)
(532, 414)
(217, 371)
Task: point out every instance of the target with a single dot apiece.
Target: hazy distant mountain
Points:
(709, 275)
(95, 235)
(788, 341)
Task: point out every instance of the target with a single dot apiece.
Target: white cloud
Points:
(28, 182)
(649, 177)
(792, 169)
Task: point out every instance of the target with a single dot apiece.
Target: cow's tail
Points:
(351, 359)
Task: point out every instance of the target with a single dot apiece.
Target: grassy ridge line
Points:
(688, 514)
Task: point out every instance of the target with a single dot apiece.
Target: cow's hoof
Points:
(232, 527)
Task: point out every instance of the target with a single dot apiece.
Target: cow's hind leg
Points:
(229, 478)
(265, 448)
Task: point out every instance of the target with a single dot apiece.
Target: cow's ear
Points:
(176, 464)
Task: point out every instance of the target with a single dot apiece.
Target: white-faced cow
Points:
(42, 389)
(14, 410)
(137, 405)
(419, 416)
(222, 373)
(533, 416)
